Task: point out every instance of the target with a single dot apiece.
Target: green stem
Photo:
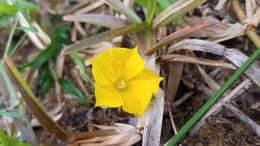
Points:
(198, 115)
(150, 11)
(10, 38)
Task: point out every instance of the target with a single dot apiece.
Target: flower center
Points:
(121, 84)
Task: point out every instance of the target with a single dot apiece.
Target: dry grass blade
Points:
(119, 6)
(178, 8)
(106, 36)
(213, 85)
(219, 31)
(252, 13)
(178, 34)
(199, 45)
(120, 135)
(151, 122)
(233, 55)
(174, 78)
(238, 58)
(97, 19)
(88, 8)
(55, 114)
(244, 118)
(194, 60)
(32, 102)
(242, 87)
(221, 5)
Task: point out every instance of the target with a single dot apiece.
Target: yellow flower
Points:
(121, 79)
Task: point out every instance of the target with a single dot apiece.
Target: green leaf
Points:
(27, 29)
(44, 79)
(5, 21)
(17, 5)
(59, 39)
(7, 9)
(150, 11)
(26, 6)
(9, 114)
(80, 65)
(68, 87)
(6, 140)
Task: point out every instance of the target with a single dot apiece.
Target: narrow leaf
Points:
(33, 103)
(119, 6)
(178, 8)
(80, 65)
(97, 19)
(44, 80)
(106, 36)
(150, 11)
(179, 33)
(59, 39)
(7, 9)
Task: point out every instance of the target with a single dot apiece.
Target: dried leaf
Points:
(106, 36)
(119, 6)
(178, 34)
(33, 103)
(178, 8)
(218, 31)
(193, 60)
(97, 19)
(120, 134)
(199, 45)
(238, 58)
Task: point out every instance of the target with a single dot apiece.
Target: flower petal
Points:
(148, 75)
(134, 65)
(139, 93)
(107, 96)
(137, 98)
(108, 65)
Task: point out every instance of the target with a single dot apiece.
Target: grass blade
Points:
(150, 11)
(176, 9)
(80, 65)
(164, 3)
(8, 44)
(200, 113)
(45, 80)
(106, 36)
(59, 39)
(97, 19)
(33, 103)
(119, 6)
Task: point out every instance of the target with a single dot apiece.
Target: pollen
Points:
(121, 84)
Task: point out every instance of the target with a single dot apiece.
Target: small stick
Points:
(181, 100)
